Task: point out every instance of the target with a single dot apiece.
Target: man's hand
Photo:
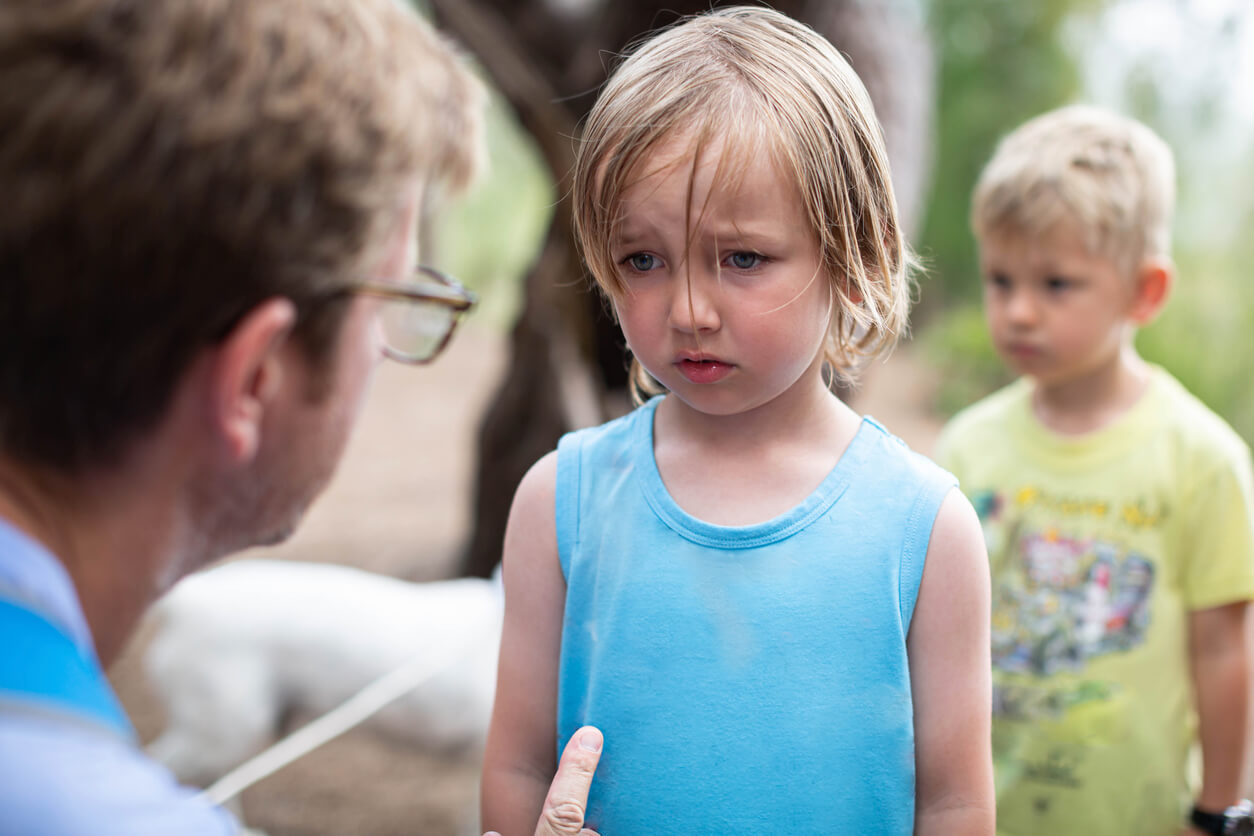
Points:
(568, 794)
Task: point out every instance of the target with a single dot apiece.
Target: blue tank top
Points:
(748, 679)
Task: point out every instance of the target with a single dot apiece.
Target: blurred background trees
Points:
(949, 78)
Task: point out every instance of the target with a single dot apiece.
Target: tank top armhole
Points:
(918, 536)
(566, 499)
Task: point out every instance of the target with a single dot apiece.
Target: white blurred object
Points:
(239, 647)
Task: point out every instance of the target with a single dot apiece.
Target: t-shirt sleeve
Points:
(1217, 517)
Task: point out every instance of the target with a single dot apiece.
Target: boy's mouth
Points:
(1022, 350)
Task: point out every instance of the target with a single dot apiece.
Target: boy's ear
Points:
(247, 374)
(1154, 280)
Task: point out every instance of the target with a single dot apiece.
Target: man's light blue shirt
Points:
(65, 774)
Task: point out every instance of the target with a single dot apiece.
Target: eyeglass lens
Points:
(416, 330)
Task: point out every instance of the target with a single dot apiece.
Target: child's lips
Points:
(703, 369)
(1022, 350)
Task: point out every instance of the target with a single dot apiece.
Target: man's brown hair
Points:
(166, 165)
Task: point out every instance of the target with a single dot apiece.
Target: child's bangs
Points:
(688, 137)
(739, 144)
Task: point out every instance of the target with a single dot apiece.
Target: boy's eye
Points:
(640, 262)
(1056, 284)
(744, 260)
(997, 280)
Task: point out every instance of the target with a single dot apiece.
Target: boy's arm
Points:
(520, 758)
(950, 675)
(1219, 664)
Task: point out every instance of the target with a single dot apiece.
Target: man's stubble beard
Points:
(262, 506)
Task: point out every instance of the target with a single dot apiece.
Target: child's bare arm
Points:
(520, 759)
(950, 675)
(1219, 663)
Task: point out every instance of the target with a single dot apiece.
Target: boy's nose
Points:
(1021, 308)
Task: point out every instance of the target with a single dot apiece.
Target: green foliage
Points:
(489, 238)
(1000, 63)
(957, 344)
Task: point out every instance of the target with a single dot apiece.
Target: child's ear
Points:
(1154, 280)
(246, 376)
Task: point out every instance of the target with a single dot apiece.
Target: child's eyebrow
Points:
(635, 229)
(766, 233)
(754, 232)
(626, 238)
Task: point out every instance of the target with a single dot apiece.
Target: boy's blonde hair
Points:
(1107, 176)
(166, 166)
(757, 81)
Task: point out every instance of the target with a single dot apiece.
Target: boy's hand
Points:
(568, 794)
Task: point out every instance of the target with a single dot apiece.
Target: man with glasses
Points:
(206, 246)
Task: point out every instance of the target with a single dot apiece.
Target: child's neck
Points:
(1095, 400)
(751, 467)
(786, 418)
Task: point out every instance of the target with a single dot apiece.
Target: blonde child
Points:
(776, 612)
(1118, 510)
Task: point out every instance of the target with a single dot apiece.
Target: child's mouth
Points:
(704, 371)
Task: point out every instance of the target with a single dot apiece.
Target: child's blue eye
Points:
(744, 260)
(640, 262)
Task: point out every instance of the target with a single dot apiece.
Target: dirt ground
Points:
(399, 505)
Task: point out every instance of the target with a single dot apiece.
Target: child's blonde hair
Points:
(1107, 176)
(756, 80)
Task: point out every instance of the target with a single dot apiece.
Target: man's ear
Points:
(1154, 280)
(247, 374)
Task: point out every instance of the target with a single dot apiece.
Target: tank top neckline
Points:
(753, 535)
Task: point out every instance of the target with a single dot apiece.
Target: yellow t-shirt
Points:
(1100, 545)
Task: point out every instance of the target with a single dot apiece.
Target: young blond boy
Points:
(1118, 509)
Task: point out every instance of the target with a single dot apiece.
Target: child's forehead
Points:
(1061, 247)
(728, 170)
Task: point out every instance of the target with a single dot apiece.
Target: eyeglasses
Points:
(419, 315)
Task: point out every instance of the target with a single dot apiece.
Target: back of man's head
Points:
(166, 165)
(1107, 176)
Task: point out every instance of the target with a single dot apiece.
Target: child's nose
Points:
(694, 305)
(1021, 308)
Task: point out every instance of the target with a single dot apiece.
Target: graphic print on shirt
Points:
(1061, 599)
